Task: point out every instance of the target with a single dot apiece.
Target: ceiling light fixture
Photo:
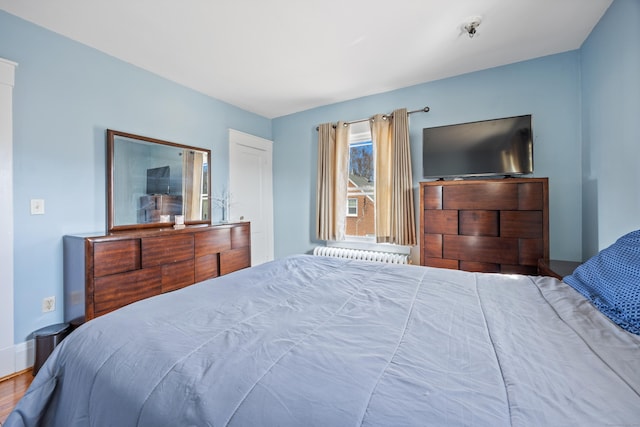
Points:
(472, 26)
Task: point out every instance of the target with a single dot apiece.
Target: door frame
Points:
(7, 346)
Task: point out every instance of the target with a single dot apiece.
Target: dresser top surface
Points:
(484, 181)
(116, 235)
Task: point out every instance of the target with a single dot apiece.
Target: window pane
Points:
(361, 190)
(352, 207)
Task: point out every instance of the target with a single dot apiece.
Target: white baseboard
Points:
(7, 361)
(16, 358)
(25, 355)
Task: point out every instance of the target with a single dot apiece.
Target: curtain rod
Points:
(422, 110)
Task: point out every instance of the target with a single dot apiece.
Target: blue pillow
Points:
(611, 281)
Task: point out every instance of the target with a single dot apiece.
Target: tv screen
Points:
(485, 148)
(158, 180)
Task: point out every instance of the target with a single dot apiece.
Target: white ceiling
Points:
(277, 57)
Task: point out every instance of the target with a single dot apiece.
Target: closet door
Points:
(251, 190)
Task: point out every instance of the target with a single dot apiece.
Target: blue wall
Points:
(548, 88)
(65, 96)
(611, 111)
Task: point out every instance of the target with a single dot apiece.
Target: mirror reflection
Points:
(151, 181)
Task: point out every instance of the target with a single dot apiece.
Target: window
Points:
(352, 207)
(360, 221)
(348, 163)
(204, 197)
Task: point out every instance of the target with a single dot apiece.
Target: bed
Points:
(318, 341)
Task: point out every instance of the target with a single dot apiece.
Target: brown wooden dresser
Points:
(105, 272)
(487, 225)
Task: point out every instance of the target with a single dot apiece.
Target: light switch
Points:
(37, 206)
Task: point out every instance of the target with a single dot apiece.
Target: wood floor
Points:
(11, 390)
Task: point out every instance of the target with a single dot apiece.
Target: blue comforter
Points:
(314, 341)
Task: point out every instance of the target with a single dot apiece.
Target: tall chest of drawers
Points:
(488, 225)
(105, 272)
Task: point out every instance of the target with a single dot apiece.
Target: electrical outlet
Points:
(48, 304)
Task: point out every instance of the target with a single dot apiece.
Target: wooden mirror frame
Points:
(114, 213)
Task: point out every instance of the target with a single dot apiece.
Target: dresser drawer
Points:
(496, 250)
(486, 196)
(522, 224)
(441, 221)
(451, 264)
(235, 259)
(212, 242)
(167, 249)
(532, 197)
(117, 290)
(528, 250)
(206, 267)
(480, 267)
(116, 257)
(432, 245)
(177, 275)
(432, 197)
(478, 223)
(240, 236)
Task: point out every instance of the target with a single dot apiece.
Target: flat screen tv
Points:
(485, 148)
(158, 180)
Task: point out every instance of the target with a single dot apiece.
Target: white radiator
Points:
(361, 254)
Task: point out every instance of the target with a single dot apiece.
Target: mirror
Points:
(150, 181)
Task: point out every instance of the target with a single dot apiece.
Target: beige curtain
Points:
(395, 218)
(192, 165)
(332, 181)
(381, 137)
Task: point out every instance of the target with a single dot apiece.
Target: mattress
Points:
(316, 341)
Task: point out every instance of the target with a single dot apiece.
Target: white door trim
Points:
(7, 347)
